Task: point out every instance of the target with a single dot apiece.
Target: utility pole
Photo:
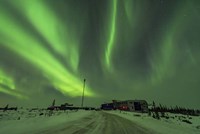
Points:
(83, 92)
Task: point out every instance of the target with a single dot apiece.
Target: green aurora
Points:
(126, 49)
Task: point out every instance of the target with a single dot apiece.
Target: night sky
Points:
(125, 49)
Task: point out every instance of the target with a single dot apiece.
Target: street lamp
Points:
(83, 92)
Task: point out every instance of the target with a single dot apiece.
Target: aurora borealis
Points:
(126, 49)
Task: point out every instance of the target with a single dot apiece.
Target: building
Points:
(107, 106)
(65, 106)
(127, 105)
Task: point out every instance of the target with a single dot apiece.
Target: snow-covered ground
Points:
(25, 121)
(39, 122)
(173, 125)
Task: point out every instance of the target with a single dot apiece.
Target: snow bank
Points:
(33, 122)
(173, 125)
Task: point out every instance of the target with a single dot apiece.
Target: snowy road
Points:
(98, 123)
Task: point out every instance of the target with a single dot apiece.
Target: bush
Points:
(157, 115)
(187, 121)
(149, 113)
